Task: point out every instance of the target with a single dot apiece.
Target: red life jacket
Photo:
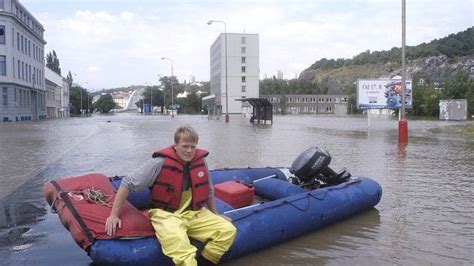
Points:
(166, 191)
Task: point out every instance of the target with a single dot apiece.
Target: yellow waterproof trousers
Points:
(174, 229)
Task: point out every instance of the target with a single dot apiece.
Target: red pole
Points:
(403, 131)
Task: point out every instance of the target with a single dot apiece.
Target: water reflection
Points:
(20, 211)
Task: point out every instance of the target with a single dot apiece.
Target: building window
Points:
(5, 96)
(3, 65)
(2, 34)
(19, 72)
(243, 69)
(18, 41)
(244, 50)
(243, 59)
(243, 79)
(243, 88)
(244, 40)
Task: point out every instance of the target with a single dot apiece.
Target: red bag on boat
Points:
(83, 204)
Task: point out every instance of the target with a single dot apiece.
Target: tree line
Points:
(160, 95)
(454, 45)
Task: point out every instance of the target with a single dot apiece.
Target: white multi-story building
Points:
(57, 95)
(280, 75)
(22, 83)
(242, 72)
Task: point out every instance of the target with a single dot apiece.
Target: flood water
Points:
(425, 216)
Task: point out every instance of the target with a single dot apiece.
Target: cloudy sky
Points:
(114, 43)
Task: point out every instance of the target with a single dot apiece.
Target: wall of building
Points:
(308, 104)
(242, 69)
(22, 86)
(57, 95)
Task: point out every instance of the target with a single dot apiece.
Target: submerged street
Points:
(425, 215)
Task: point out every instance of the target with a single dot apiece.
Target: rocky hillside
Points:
(433, 62)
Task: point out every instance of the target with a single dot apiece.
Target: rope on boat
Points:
(96, 196)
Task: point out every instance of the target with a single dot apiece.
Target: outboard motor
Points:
(313, 165)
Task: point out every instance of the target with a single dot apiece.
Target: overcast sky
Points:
(115, 43)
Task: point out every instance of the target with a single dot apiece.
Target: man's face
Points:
(185, 150)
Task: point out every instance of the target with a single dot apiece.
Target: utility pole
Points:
(403, 123)
(171, 80)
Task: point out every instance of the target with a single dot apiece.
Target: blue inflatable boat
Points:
(285, 203)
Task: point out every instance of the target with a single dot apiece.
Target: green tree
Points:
(283, 101)
(351, 91)
(417, 103)
(166, 81)
(52, 62)
(457, 86)
(69, 79)
(431, 96)
(75, 99)
(105, 103)
(152, 95)
(190, 104)
(470, 100)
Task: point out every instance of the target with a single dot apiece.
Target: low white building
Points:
(57, 95)
(120, 98)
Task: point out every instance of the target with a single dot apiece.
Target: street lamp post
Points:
(87, 98)
(225, 49)
(162, 94)
(88, 109)
(151, 100)
(81, 101)
(163, 107)
(171, 80)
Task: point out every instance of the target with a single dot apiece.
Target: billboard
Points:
(383, 93)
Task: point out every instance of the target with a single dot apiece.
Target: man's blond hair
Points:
(186, 133)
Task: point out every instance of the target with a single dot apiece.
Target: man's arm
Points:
(140, 179)
(113, 220)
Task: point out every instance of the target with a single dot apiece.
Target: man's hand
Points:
(111, 225)
(113, 220)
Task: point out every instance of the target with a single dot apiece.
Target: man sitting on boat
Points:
(180, 189)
